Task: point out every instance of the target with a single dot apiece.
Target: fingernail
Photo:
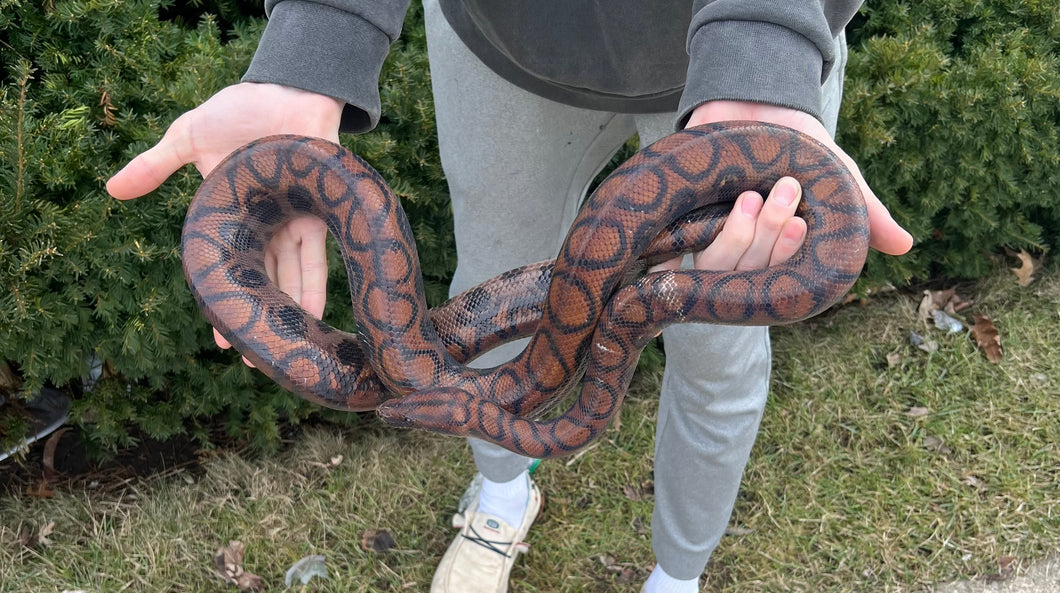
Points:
(785, 192)
(750, 204)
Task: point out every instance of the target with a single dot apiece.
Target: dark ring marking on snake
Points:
(406, 361)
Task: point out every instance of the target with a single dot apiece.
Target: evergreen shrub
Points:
(86, 85)
(951, 109)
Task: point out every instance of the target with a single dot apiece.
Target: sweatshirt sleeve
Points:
(332, 47)
(767, 51)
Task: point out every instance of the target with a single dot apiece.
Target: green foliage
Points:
(952, 109)
(226, 13)
(87, 85)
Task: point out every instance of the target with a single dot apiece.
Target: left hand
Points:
(295, 257)
(758, 234)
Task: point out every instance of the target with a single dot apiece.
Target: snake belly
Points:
(414, 372)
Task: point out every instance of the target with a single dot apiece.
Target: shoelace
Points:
(491, 545)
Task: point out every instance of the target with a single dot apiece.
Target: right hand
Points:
(295, 258)
(757, 233)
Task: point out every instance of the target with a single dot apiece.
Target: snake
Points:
(588, 313)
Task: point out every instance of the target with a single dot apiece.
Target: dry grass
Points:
(846, 491)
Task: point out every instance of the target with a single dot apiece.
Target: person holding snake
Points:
(531, 101)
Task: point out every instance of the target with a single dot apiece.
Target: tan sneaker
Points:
(481, 557)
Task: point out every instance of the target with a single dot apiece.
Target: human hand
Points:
(295, 258)
(885, 234)
(758, 234)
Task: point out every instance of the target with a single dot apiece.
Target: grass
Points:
(846, 490)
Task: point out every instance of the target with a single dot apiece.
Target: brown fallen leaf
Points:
(644, 491)
(917, 412)
(894, 359)
(942, 297)
(377, 540)
(32, 538)
(230, 557)
(927, 305)
(624, 572)
(956, 304)
(9, 381)
(228, 562)
(947, 301)
(1006, 568)
(1028, 267)
(987, 338)
(974, 481)
(41, 490)
(612, 565)
(42, 535)
(332, 462)
(933, 443)
(250, 582)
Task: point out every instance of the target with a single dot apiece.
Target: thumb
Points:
(147, 170)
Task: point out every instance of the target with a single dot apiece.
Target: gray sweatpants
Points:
(518, 168)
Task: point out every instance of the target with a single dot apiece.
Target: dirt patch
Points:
(74, 468)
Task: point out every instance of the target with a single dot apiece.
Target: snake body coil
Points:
(584, 310)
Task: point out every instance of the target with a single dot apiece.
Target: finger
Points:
(778, 209)
(735, 237)
(885, 234)
(150, 168)
(222, 343)
(314, 262)
(284, 250)
(791, 238)
(670, 264)
(270, 265)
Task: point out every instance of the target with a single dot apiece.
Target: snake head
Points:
(447, 410)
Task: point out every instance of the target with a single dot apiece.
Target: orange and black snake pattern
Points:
(588, 313)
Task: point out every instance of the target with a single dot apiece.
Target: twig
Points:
(23, 84)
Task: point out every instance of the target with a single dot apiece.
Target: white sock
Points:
(505, 500)
(660, 582)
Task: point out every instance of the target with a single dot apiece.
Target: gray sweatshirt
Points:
(631, 56)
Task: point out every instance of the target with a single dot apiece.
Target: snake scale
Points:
(588, 313)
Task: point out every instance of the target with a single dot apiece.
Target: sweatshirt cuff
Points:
(324, 50)
(751, 61)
